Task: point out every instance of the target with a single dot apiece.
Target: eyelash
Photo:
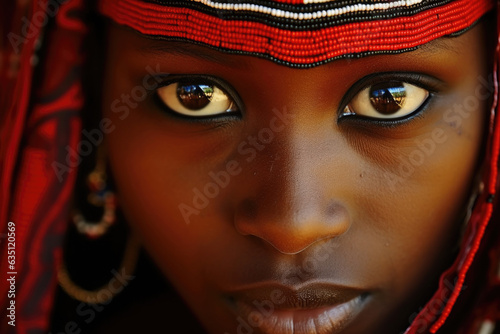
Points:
(433, 85)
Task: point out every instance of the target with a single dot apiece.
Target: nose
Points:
(297, 202)
(292, 230)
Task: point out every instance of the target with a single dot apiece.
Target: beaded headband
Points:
(299, 33)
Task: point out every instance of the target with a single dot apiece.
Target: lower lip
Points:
(322, 320)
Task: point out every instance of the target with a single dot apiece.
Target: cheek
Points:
(414, 204)
(155, 173)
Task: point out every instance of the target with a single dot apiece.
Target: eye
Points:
(387, 100)
(196, 98)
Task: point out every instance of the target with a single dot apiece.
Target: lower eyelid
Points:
(418, 114)
(221, 120)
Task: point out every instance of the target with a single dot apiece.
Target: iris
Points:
(388, 97)
(195, 96)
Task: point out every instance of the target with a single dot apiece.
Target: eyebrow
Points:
(162, 47)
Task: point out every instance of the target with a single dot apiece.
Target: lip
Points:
(317, 308)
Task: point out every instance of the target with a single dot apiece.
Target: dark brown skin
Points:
(325, 200)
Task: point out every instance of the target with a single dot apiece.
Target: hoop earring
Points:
(100, 196)
(103, 294)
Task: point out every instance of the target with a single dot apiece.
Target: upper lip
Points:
(304, 296)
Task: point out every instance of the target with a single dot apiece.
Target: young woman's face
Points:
(280, 200)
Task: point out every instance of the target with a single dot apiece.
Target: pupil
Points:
(388, 98)
(195, 96)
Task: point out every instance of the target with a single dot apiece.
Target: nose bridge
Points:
(291, 205)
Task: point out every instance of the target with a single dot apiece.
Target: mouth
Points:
(319, 308)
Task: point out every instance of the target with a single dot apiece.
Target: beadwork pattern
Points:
(306, 17)
(302, 42)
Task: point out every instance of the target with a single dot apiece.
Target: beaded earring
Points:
(101, 201)
(100, 197)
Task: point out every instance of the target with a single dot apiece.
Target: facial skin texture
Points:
(342, 201)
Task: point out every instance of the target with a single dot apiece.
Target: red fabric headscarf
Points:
(40, 104)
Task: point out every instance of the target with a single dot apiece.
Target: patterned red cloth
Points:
(39, 117)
